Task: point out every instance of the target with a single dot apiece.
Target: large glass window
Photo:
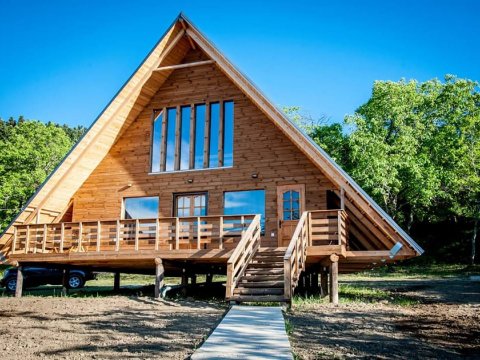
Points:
(191, 204)
(170, 152)
(185, 141)
(200, 116)
(228, 133)
(245, 202)
(157, 135)
(185, 138)
(141, 207)
(214, 129)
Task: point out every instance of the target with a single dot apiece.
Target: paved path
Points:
(248, 332)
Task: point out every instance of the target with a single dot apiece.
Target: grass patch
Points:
(417, 271)
(358, 294)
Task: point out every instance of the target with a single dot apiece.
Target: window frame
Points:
(193, 193)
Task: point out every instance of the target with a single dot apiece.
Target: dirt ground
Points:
(444, 324)
(114, 327)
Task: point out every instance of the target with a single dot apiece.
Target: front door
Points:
(291, 204)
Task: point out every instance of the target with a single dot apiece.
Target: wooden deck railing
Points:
(202, 232)
(327, 227)
(315, 228)
(242, 255)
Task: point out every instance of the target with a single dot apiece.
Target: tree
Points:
(29, 152)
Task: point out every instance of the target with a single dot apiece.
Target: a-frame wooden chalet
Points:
(190, 169)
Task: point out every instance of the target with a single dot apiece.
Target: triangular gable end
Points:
(54, 195)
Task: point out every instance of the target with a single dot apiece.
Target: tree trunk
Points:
(474, 241)
(410, 221)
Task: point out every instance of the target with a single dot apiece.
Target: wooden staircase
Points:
(263, 279)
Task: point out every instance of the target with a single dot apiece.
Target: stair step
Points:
(272, 249)
(258, 278)
(258, 298)
(264, 271)
(261, 284)
(272, 259)
(255, 264)
(258, 291)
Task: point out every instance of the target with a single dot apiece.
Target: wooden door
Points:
(291, 204)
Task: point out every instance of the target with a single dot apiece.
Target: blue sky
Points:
(62, 61)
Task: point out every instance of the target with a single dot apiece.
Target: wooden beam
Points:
(186, 65)
(192, 44)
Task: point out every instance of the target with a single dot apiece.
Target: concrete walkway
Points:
(248, 332)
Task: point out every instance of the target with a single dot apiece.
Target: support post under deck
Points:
(159, 276)
(66, 275)
(334, 279)
(116, 281)
(19, 288)
(324, 283)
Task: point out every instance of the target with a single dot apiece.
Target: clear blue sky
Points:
(62, 61)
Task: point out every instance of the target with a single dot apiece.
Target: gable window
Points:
(196, 136)
(245, 202)
(140, 207)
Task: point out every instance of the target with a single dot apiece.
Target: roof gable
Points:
(55, 194)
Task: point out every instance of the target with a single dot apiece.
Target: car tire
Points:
(11, 284)
(76, 281)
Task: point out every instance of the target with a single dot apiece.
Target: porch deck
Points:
(205, 244)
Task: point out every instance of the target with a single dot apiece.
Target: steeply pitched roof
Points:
(56, 192)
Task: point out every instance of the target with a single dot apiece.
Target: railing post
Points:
(80, 233)
(99, 235)
(14, 239)
(27, 239)
(220, 239)
(287, 279)
(229, 287)
(339, 217)
(242, 221)
(199, 235)
(117, 244)
(137, 225)
(309, 222)
(177, 233)
(62, 237)
(157, 234)
(44, 242)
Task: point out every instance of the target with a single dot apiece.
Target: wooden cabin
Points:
(189, 170)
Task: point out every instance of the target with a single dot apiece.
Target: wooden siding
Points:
(259, 147)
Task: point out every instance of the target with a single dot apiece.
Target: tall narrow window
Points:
(185, 138)
(156, 140)
(200, 115)
(214, 128)
(228, 133)
(170, 151)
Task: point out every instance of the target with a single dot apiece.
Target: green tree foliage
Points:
(29, 152)
(415, 148)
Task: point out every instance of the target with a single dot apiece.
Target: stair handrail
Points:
(295, 256)
(242, 255)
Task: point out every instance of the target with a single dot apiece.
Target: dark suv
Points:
(36, 276)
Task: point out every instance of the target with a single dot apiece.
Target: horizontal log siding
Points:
(258, 147)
